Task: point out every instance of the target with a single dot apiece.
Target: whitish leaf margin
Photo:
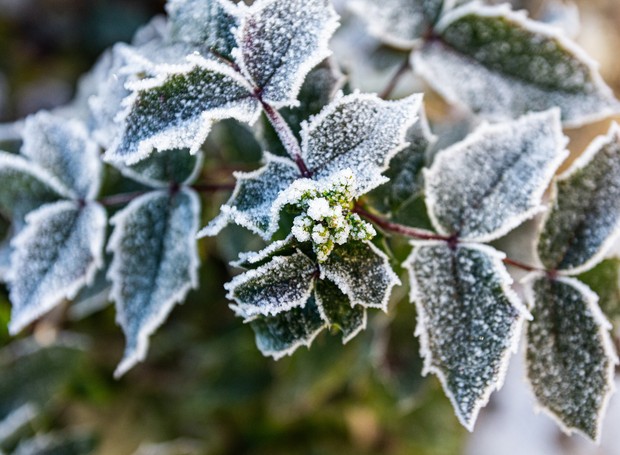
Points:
(422, 322)
(328, 322)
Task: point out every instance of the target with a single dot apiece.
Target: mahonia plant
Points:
(339, 172)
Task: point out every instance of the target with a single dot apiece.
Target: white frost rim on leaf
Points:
(604, 325)
(250, 311)
(33, 220)
(254, 257)
(325, 318)
(582, 161)
(119, 222)
(342, 281)
(253, 12)
(17, 419)
(161, 141)
(230, 214)
(422, 322)
(521, 19)
(161, 184)
(551, 116)
(20, 164)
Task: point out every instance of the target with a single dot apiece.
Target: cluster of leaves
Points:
(151, 105)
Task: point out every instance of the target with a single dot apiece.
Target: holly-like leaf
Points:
(570, 356)
(63, 148)
(362, 272)
(584, 220)
(206, 24)
(335, 308)
(176, 108)
(280, 335)
(284, 283)
(280, 41)
(469, 320)
(252, 204)
(359, 132)
(161, 169)
(488, 184)
(400, 23)
(512, 66)
(56, 254)
(154, 266)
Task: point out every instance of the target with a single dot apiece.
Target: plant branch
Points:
(213, 187)
(400, 72)
(125, 198)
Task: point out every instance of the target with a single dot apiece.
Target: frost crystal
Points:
(280, 41)
(488, 184)
(584, 220)
(570, 355)
(336, 309)
(468, 320)
(359, 132)
(161, 169)
(154, 266)
(512, 66)
(56, 254)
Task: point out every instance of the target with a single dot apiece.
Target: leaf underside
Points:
(570, 357)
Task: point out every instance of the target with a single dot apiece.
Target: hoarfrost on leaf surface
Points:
(280, 41)
(284, 283)
(488, 184)
(570, 355)
(161, 169)
(512, 66)
(336, 309)
(362, 272)
(63, 148)
(55, 255)
(468, 320)
(585, 216)
(282, 334)
(176, 109)
(360, 132)
(154, 266)
(252, 203)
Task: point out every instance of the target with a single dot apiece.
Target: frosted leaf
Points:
(400, 23)
(512, 66)
(63, 148)
(360, 132)
(280, 41)
(155, 264)
(176, 109)
(284, 247)
(468, 320)
(282, 334)
(56, 444)
(584, 220)
(362, 272)
(336, 309)
(488, 184)
(285, 282)
(55, 255)
(570, 355)
(161, 169)
(94, 297)
(255, 194)
(204, 23)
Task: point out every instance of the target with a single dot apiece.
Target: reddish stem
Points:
(400, 72)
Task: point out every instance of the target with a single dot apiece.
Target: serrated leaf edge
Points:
(118, 221)
(161, 184)
(425, 352)
(345, 339)
(254, 257)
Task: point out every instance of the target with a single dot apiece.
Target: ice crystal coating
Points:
(176, 108)
(63, 148)
(251, 204)
(204, 23)
(360, 132)
(280, 41)
(282, 334)
(161, 169)
(469, 320)
(362, 272)
(155, 264)
(488, 184)
(400, 23)
(585, 217)
(285, 282)
(336, 309)
(570, 355)
(55, 255)
(512, 65)
(326, 219)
